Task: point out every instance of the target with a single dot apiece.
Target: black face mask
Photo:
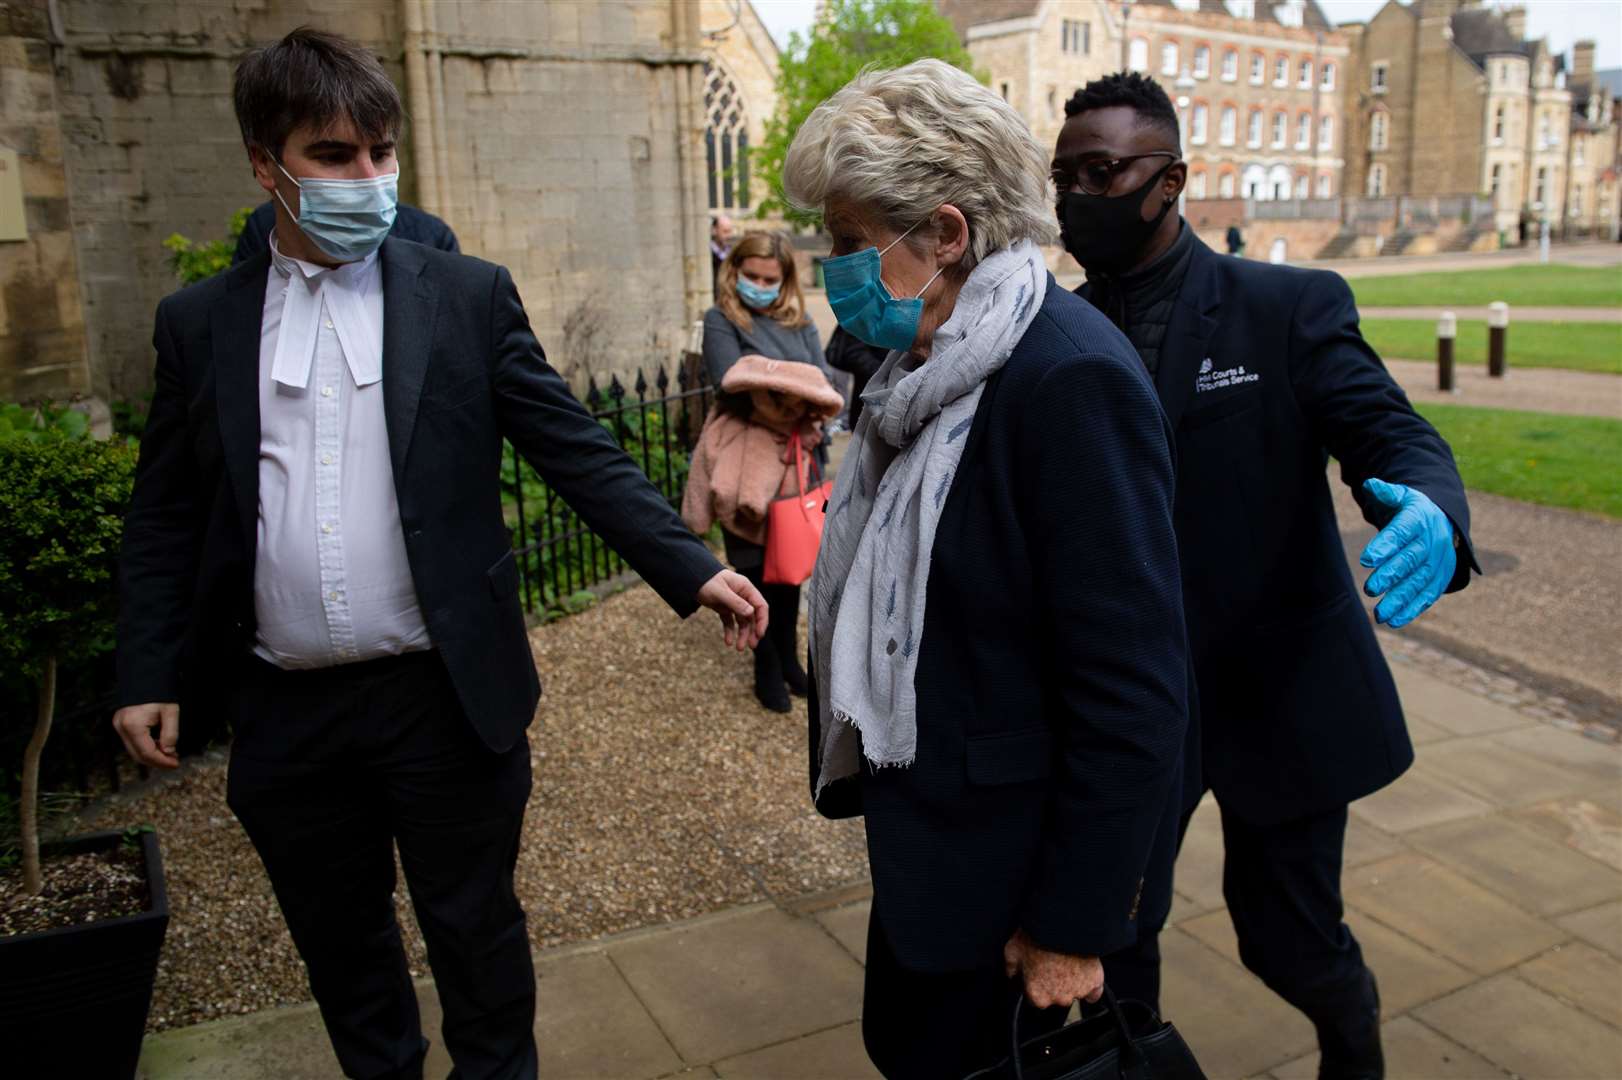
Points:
(1106, 233)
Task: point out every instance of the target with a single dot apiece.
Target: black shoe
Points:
(770, 689)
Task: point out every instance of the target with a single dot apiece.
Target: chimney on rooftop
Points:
(1582, 62)
(1515, 20)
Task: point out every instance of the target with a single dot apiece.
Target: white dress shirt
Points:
(331, 581)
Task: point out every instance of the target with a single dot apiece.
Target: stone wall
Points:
(42, 335)
(560, 140)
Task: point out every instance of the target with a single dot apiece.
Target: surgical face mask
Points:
(863, 304)
(756, 297)
(1106, 233)
(346, 219)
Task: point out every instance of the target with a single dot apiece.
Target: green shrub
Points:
(192, 261)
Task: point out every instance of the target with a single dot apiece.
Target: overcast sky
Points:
(1561, 21)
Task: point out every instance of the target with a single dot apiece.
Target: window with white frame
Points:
(1498, 125)
(1168, 58)
(1496, 181)
(1197, 125)
(1327, 75)
(1242, 9)
(1326, 132)
(1303, 131)
(1137, 55)
(1540, 187)
(1225, 185)
(726, 140)
(1376, 186)
(1230, 121)
(1290, 12)
(1253, 128)
(1323, 185)
(1196, 186)
(1302, 189)
(1281, 71)
(1202, 62)
(1230, 65)
(1281, 129)
(1075, 37)
(1379, 134)
(1305, 73)
(1377, 77)
(1258, 69)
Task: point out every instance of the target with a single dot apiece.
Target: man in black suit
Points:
(418, 226)
(1264, 375)
(316, 549)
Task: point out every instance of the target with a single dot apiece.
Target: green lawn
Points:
(1552, 285)
(1568, 461)
(1579, 346)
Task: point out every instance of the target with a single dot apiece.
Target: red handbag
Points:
(794, 526)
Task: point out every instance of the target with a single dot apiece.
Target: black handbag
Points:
(1126, 1040)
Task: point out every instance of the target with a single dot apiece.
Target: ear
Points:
(954, 235)
(264, 169)
(1171, 185)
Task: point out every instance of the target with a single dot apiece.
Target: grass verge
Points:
(1551, 285)
(1574, 462)
(1577, 346)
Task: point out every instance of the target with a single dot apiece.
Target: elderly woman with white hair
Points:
(996, 617)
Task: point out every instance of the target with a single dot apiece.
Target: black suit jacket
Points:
(461, 372)
(1264, 375)
(1052, 671)
(418, 226)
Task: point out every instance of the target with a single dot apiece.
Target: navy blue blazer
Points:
(1264, 375)
(461, 372)
(1052, 672)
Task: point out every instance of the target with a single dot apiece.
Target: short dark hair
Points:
(1137, 92)
(312, 77)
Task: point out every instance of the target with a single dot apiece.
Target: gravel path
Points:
(662, 791)
(1555, 390)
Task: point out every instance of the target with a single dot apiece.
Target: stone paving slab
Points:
(1540, 875)
(848, 925)
(1586, 824)
(837, 1052)
(1527, 1031)
(1581, 975)
(1412, 1050)
(590, 1023)
(1600, 927)
(1447, 912)
(1234, 1026)
(1415, 801)
(1440, 704)
(1504, 776)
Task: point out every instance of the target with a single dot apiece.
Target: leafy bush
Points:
(192, 261)
(35, 422)
(62, 504)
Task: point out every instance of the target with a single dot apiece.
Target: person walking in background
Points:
(996, 622)
(315, 548)
(418, 226)
(745, 458)
(720, 247)
(848, 353)
(1263, 373)
(1236, 240)
(760, 311)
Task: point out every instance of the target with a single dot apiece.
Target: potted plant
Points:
(81, 925)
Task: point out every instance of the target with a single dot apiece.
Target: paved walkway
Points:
(1486, 887)
(1555, 390)
(1516, 314)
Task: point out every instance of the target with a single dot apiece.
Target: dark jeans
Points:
(330, 769)
(1282, 885)
(933, 1026)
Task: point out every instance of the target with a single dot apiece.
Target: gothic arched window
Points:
(726, 140)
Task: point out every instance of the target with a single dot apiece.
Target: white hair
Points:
(900, 144)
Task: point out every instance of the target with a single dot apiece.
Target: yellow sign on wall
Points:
(13, 222)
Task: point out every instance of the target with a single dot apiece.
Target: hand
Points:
(1412, 557)
(134, 724)
(741, 607)
(1053, 978)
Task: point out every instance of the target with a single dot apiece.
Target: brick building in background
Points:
(564, 140)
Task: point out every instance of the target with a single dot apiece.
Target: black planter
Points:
(73, 1001)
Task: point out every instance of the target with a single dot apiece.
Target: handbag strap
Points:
(1134, 1064)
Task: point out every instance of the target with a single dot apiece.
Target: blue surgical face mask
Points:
(756, 297)
(346, 219)
(864, 306)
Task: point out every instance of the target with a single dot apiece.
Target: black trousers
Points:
(1282, 886)
(933, 1026)
(330, 769)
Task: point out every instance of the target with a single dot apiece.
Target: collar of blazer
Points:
(1188, 334)
(409, 307)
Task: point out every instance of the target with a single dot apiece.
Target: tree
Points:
(62, 502)
(851, 35)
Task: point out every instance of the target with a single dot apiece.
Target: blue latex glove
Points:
(1412, 557)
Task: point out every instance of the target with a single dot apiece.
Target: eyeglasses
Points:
(1096, 176)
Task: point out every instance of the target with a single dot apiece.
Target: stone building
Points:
(1595, 151)
(564, 140)
(1257, 83)
(1451, 98)
(740, 95)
